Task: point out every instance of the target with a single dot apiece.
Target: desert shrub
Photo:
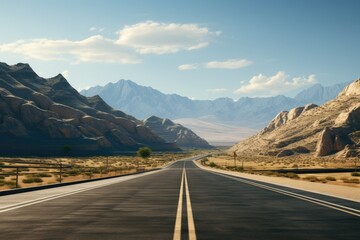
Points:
(295, 166)
(212, 164)
(323, 180)
(32, 180)
(330, 178)
(311, 178)
(44, 175)
(2, 177)
(292, 175)
(73, 172)
(10, 184)
(351, 180)
(2, 164)
(268, 173)
(37, 180)
(27, 180)
(355, 174)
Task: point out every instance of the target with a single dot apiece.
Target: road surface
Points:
(183, 202)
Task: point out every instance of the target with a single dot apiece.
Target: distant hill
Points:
(143, 102)
(217, 134)
(173, 132)
(333, 127)
(318, 94)
(39, 116)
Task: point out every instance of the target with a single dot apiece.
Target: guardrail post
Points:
(60, 177)
(17, 177)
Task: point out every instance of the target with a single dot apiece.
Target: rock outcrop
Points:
(175, 133)
(321, 130)
(286, 116)
(39, 116)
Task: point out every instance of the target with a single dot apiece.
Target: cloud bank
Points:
(160, 38)
(229, 64)
(142, 38)
(277, 84)
(187, 67)
(92, 49)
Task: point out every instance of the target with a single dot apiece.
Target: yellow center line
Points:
(177, 230)
(191, 224)
(190, 218)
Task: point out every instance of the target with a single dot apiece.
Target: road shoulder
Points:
(344, 192)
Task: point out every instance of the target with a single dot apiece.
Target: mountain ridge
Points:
(39, 116)
(332, 128)
(255, 113)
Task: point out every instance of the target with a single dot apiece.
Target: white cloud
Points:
(93, 49)
(279, 83)
(65, 73)
(95, 29)
(229, 64)
(187, 67)
(160, 38)
(144, 38)
(217, 90)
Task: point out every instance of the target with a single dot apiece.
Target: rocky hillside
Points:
(177, 133)
(40, 116)
(321, 130)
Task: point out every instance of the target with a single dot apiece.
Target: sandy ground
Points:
(345, 192)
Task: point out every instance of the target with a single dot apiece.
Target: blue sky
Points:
(200, 49)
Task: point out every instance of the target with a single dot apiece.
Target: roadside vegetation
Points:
(39, 171)
(277, 167)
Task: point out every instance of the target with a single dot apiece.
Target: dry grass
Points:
(252, 164)
(81, 168)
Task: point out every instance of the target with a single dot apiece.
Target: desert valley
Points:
(179, 119)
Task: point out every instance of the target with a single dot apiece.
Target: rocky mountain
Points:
(319, 94)
(39, 116)
(333, 127)
(177, 133)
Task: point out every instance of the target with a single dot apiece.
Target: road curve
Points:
(184, 202)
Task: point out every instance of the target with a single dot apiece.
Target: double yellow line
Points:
(190, 218)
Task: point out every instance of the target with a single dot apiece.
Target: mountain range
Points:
(40, 116)
(254, 113)
(333, 127)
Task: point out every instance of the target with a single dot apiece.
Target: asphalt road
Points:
(212, 206)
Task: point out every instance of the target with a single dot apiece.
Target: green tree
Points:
(66, 149)
(144, 152)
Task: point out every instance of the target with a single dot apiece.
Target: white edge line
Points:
(48, 198)
(278, 184)
(295, 195)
